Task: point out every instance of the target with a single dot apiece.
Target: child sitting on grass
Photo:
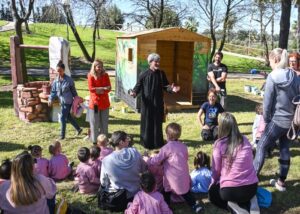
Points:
(201, 175)
(5, 170)
(41, 164)
(148, 200)
(85, 176)
(95, 160)
(174, 158)
(102, 143)
(59, 168)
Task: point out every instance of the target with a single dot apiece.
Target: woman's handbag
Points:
(115, 201)
(295, 126)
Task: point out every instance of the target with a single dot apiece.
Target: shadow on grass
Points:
(6, 99)
(240, 104)
(122, 121)
(8, 146)
(196, 143)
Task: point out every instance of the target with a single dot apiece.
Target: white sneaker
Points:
(236, 208)
(279, 187)
(254, 208)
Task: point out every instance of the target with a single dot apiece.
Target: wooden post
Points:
(16, 69)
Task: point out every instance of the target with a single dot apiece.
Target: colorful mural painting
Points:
(200, 63)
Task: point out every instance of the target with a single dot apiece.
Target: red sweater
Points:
(101, 100)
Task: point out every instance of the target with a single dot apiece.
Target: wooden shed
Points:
(184, 58)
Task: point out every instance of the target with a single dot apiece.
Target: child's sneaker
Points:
(254, 208)
(197, 207)
(236, 208)
(278, 185)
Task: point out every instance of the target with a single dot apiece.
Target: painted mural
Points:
(200, 62)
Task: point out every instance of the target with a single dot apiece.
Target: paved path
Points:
(83, 73)
(7, 27)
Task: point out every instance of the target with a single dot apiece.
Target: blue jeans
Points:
(270, 135)
(66, 116)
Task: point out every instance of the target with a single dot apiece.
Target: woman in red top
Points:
(99, 87)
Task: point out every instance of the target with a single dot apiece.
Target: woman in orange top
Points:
(99, 87)
(294, 61)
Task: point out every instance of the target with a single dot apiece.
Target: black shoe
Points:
(61, 138)
(79, 132)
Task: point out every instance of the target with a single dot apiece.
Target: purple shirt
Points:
(145, 203)
(174, 158)
(105, 151)
(96, 165)
(158, 173)
(48, 191)
(86, 179)
(41, 166)
(58, 167)
(242, 170)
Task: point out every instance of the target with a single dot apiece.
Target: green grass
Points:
(3, 22)
(41, 32)
(17, 135)
(238, 64)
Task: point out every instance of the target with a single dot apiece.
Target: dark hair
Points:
(147, 182)
(35, 150)
(5, 169)
(95, 152)
(259, 109)
(212, 90)
(60, 64)
(201, 160)
(83, 154)
(117, 137)
(219, 53)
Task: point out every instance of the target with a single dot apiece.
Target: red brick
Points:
(26, 94)
(26, 109)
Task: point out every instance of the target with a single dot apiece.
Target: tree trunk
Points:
(18, 29)
(285, 23)
(225, 25)
(272, 27)
(298, 29)
(27, 28)
(71, 23)
(98, 33)
(264, 39)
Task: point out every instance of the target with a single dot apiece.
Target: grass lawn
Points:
(3, 22)
(17, 135)
(41, 32)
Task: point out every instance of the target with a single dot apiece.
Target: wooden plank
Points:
(38, 47)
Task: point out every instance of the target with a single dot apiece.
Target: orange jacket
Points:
(101, 100)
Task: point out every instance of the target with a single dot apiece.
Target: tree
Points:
(111, 18)
(51, 14)
(216, 14)
(191, 24)
(285, 23)
(19, 19)
(157, 13)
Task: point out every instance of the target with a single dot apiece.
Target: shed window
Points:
(130, 54)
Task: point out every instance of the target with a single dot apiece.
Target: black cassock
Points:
(151, 86)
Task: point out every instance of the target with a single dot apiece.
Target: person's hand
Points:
(49, 103)
(218, 89)
(175, 88)
(100, 90)
(205, 126)
(132, 93)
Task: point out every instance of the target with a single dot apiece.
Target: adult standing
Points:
(217, 74)
(26, 192)
(282, 86)
(99, 87)
(234, 182)
(63, 87)
(294, 62)
(151, 84)
(121, 169)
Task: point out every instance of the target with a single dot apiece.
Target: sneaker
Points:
(236, 208)
(197, 208)
(254, 208)
(278, 185)
(78, 132)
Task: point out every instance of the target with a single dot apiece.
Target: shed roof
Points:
(172, 33)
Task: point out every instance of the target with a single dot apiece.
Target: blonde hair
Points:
(281, 55)
(95, 63)
(25, 188)
(54, 147)
(228, 128)
(102, 140)
(173, 131)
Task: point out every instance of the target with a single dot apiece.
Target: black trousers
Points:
(241, 195)
(188, 197)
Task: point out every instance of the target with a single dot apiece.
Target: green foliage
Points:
(41, 33)
(3, 22)
(241, 104)
(170, 19)
(111, 18)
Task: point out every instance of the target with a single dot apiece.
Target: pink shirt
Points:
(41, 166)
(105, 151)
(146, 203)
(242, 170)
(96, 165)
(86, 179)
(174, 158)
(261, 127)
(58, 167)
(49, 188)
(158, 172)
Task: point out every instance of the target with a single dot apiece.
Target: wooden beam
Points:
(38, 47)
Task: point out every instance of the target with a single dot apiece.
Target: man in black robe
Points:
(151, 85)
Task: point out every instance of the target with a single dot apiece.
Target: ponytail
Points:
(282, 57)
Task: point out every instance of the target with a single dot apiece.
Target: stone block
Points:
(32, 103)
(26, 109)
(30, 116)
(26, 94)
